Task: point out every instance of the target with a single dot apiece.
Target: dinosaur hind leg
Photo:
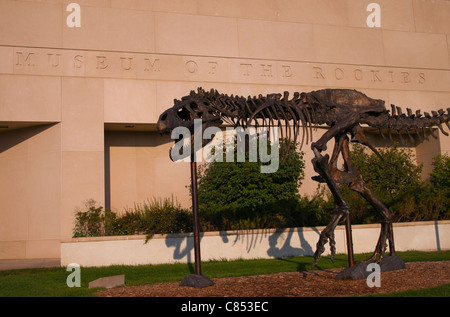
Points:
(341, 208)
(386, 233)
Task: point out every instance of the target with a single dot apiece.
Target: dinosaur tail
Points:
(413, 123)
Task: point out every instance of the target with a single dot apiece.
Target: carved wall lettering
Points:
(53, 59)
(60, 62)
(101, 62)
(191, 66)
(21, 60)
(421, 78)
(152, 65)
(126, 63)
(318, 73)
(266, 70)
(339, 74)
(212, 68)
(246, 68)
(391, 76)
(375, 75)
(406, 78)
(78, 61)
(287, 71)
(358, 74)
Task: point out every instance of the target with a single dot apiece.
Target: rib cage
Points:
(306, 110)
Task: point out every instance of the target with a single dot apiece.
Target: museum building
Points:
(83, 82)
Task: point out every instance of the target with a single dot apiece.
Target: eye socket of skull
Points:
(184, 114)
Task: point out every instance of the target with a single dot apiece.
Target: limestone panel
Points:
(175, 6)
(30, 23)
(348, 45)
(82, 114)
(13, 218)
(43, 249)
(196, 35)
(6, 60)
(275, 40)
(250, 9)
(130, 101)
(422, 50)
(30, 98)
(139, 169)
(11, 250)
(123, 174)
(82, 177)
(332, 12)
(432, 16)
(30, 190)
(44, 181)
(112, 29)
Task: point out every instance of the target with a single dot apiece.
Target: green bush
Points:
(440, 176)
(156, 216)
(396, 181)
(94, 221)
(237, 195)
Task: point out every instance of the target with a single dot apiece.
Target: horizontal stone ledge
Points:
(248, 232)
(175, 67)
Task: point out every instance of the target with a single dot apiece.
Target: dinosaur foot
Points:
(380, 249)
(320, 248)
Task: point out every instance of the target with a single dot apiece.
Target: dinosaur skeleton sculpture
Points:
(343, 110)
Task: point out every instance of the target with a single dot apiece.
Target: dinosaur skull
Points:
(184, 112)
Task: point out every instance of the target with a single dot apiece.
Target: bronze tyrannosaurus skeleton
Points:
(343, 110)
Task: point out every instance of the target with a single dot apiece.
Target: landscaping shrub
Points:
(156, 216)
(397, 183)
(237, 195)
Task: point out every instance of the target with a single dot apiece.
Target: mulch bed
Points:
(297, 284)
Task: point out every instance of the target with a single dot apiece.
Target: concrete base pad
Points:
(108, 282)
(359, 270)
(197, 281)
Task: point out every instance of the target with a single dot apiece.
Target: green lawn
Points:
(52, 282)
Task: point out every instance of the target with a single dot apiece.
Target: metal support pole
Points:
(196, 280)
(348, 234)
(391, 240)
(198, 268)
